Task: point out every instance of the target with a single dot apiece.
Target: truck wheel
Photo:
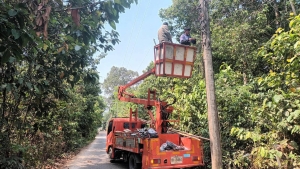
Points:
(133, 162)
(125, 157)
(110, 152)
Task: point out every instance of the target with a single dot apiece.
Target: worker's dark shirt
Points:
(164, 34)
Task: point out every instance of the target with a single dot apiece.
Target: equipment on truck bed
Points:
(155, 147)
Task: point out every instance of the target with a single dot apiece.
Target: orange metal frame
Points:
(148, 103)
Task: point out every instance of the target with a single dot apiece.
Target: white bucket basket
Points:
(174, 60)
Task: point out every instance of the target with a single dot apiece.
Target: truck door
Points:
(110, 134)
(109, 129)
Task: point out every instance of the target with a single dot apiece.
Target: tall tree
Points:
(213, 116)
(46, 49)
(116, 77)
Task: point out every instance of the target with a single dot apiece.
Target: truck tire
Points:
(125, 157)
(110, 151)
(133, 162)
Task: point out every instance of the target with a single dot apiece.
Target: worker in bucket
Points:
(186, 38)
(164, 34)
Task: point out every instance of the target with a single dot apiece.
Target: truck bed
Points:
(151, 155)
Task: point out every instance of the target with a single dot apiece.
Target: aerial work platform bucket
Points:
(174, 60)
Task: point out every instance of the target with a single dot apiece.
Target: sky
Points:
(137, 28)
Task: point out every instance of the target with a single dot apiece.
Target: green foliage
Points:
(256, 79)
(115, 78)
(49, 91)
(275, 135)
(238, 29)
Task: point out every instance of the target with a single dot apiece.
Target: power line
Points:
(138, 34)
(126, 52)
(143, 61)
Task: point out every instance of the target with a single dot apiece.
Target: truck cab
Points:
(116, 125)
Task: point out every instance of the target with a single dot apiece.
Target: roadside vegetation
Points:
(50, 101)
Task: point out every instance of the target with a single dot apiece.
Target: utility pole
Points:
(293, 7)
(213, 118)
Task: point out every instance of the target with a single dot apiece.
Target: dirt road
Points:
(94, 157)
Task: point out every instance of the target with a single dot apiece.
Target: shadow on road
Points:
(94, 157)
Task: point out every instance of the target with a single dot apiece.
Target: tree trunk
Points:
(293, 7)
(277, 19)
(213, 119)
